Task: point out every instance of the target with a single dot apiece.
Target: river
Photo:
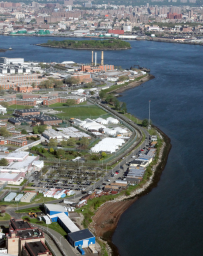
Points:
(169, 220)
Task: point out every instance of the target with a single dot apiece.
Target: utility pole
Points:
(149, 126)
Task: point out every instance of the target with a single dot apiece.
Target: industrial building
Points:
(10, 197)
(109, 145)
(28, 197)
(82, 238)
(53, 209)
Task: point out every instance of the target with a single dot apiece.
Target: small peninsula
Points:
(111, 44)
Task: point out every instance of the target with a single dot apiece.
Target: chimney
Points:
(95, 58)
(92, 58)
(102, 58)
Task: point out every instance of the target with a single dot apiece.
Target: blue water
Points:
(169, 220)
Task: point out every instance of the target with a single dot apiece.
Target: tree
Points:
(33, 85)
(123, 78)
(117, 104)
(51, 150)
(72, 80)
(71, 142)
(2, 92)
(4, 162)
(23, 131)
(145, 122)
(4, 132)
(53, 143)
(103, 154)
(63, 143)
(35, 130)
(41, 128)
(60, 153)
(124, 107)
(70, 102)
(92, 92)
(84, 142)
(102, 94)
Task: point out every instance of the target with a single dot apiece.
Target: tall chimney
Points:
(95, 58)
(92, 58)
(102, 58)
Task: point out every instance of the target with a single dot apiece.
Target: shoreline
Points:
(91, 49)
(104, 224)
(105, 228)
(133, 84)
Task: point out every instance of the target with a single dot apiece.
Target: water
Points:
(169, 220)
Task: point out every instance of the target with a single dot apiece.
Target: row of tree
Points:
(111, 99)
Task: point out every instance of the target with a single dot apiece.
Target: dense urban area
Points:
(182, 24)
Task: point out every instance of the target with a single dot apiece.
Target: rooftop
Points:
(19, 224)
(36, 248)
(80, 235)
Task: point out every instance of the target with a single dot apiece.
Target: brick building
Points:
(87, 68)
(174, 16)
(22, 238)
(27, 112)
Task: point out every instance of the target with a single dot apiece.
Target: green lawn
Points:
(62, 105)
(32, 209)
(55, 226)
(18, 107)
(81, 112)
(5, 216)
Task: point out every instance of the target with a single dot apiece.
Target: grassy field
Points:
(81, 112)
(55, 226)
(32, 209)
(62, 104)
(5, 216)
(18, 107)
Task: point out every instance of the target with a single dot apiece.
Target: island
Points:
(109, 44)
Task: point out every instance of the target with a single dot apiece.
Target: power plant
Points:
(94, 62)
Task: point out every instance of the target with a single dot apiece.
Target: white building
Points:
(3, 110)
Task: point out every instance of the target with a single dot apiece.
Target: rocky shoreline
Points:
(92, 49)
(107, 216)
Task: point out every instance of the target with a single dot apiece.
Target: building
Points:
(82, 238)
(20, 234)
(35, 249)
(91, 69)
(53, 209)
(27, 112)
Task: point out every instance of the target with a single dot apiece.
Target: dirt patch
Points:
(104, 225)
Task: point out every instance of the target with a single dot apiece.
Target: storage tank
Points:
(107, 35)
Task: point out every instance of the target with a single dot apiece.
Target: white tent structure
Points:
(110, 132)
(120, 130)
(109, 145)
(101, 120)
(112, 120)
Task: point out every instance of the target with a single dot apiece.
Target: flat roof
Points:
(17, 155)
(55, 207)
(36, 248)
(24, 164)
(80, 235)
(19, 224)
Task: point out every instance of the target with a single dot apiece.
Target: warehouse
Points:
(83, 238)
(53, 209)
(101, 121)
(18, 197)
(64, 221)
(28, 197)
(110, 145)
(10, 197)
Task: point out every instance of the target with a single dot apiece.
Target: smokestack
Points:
(92, 58)
(95, 58)
(102, 58)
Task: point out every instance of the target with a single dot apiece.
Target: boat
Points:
(10, 48)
